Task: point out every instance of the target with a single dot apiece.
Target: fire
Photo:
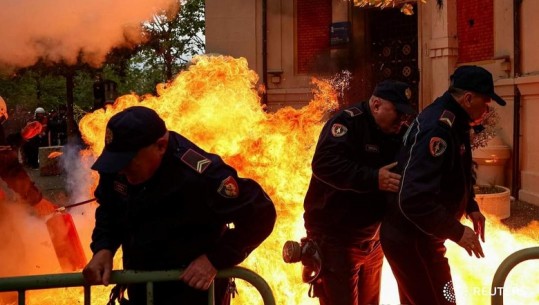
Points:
(54, 154)
(215, 104)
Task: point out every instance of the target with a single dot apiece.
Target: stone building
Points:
(288, 41)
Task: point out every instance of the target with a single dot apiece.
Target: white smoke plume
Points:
(60, 30)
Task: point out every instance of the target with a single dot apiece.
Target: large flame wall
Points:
(215, 104)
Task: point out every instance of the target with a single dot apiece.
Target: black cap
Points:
(475, 79)
(398, 93)
(127, 132)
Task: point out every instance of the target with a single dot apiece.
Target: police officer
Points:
(437, 190)
(167, 202)
(346, 197)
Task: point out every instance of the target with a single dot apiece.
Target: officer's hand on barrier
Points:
(31, 130)
(387, 180)
(98, 270)
(200, 273)
(44, 208)
(470, 242)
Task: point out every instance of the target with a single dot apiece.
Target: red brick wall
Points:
(313, 24)
(475, 29)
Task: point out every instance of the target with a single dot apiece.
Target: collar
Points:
(462, 119)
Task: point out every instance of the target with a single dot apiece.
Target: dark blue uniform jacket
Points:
(182, 212)
(343, 197)
(436, 168)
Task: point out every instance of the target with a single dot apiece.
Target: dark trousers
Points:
(419, 264)
(31, 152)
(351, 272)
(177, 292)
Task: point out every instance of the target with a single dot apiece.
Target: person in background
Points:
(58, 126)
(345, 201)
(437, 190)
(171, 205)
(31, 147)
(12, 172)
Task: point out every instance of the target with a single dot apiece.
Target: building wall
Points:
(312, 33)
(447, 39)
(528, 85)
(439, 58)
(475, 30)
(233, 28)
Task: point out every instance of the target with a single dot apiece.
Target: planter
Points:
(491, 162)
(494, 200)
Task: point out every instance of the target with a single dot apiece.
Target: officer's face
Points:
(145, 163)
(387, 117)
(476, 106)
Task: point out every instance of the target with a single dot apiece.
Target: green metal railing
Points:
(505, 267)
(21, 284)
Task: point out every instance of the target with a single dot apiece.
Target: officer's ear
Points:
(376, 104)
(468, 97)
(162, 144)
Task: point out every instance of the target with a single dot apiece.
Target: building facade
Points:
(287, 42)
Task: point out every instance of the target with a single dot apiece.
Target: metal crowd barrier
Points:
(505, 267)
(21, 284)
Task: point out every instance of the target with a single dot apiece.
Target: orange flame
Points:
(54, 154)
(214, 103)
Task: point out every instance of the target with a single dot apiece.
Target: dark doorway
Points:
(384, 46)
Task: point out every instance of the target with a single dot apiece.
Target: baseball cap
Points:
(399, 93)
(127, 132)
(475, 79)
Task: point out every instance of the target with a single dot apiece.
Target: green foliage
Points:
(171, 43)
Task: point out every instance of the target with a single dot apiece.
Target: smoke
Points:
(80, 181)
(61, 30)
(26, 247)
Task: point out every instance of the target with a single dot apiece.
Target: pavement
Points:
(52, 187)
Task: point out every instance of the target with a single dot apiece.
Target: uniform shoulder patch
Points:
(229, 188)
(195, 160)
(338, 130)
(437, 146)
(353, 111)
(447, 118)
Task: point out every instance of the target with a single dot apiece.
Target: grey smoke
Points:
(60, 30)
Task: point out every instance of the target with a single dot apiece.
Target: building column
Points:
(438, 46)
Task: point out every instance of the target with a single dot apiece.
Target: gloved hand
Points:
(31, 130)
(44, 208)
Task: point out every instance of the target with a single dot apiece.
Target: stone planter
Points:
(495, 201)
(491, 162)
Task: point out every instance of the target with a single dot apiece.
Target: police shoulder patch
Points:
(229, 188)
(338, 130)
(353, 111)
(195, 161)
(447, 118)
(437, 146)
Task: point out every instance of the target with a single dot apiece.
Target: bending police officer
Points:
(167, 202)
